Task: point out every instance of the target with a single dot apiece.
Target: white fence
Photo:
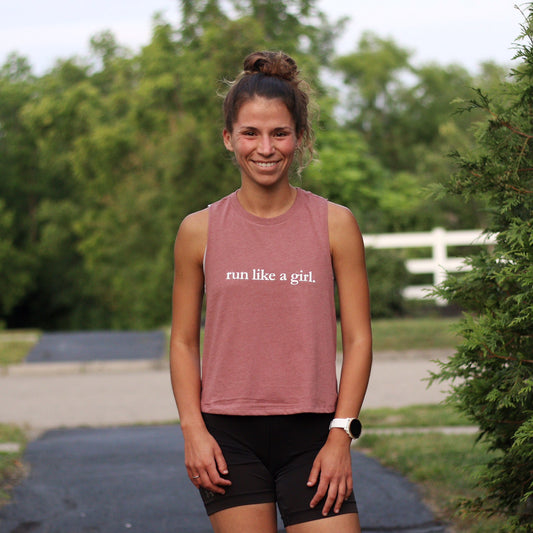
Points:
(439, 264)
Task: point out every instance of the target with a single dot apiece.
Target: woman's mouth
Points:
(266, 164)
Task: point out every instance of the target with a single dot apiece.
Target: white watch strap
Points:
(340, 423)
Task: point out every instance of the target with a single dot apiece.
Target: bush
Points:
(493, 367)
(387, 277)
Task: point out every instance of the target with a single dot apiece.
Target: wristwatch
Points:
(352, 426)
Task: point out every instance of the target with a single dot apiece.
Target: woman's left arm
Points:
(332, 468)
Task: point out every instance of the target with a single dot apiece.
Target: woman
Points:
(256, 412)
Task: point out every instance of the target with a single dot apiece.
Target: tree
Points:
(347, 174)
(404, 113)
(15, 266)
(100, 159)
(176, 162)
(123, 147)
(493, 367)
(17, 186)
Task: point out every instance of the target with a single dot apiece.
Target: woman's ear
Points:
(226, 135)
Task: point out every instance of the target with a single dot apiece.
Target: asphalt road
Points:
(117, 475)
(116, 479)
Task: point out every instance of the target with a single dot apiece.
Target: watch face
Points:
(355, 428)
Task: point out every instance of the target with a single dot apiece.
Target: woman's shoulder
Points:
(192, 234)
(343, 226)
(336, 212)
(195, 222)
(339, 215)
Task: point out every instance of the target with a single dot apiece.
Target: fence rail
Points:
(439, 264)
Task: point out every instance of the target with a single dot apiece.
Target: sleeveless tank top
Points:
(270, 331)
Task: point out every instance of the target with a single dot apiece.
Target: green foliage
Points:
(346, 174)
(17, 171)
(404, 114)
(493, 367)
(387, 277)
(101, 159)
(14, 264)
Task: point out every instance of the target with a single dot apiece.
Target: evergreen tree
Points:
(493, 367)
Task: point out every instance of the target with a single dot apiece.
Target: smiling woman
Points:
(274, 78)
(266, 257)
(263, 140)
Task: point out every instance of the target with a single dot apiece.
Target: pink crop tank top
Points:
(270, 334)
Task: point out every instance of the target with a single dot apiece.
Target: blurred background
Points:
(110, 133)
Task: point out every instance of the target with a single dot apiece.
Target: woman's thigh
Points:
(346, 523)
(258, 518)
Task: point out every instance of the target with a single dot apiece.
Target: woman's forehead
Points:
(259, 110)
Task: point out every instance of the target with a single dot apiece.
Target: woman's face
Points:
(263, 140)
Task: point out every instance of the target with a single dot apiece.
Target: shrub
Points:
(387, 277)
(493, 367)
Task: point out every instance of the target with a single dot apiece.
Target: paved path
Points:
(108, 479)
(51, 395)
(115, 479)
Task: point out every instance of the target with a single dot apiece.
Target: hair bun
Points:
(275, 64)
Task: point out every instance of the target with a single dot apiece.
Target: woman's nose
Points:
(266, 146)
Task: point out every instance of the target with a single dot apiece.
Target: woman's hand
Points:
(332, 469)
(204, 461)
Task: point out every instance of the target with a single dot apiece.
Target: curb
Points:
(446, 430)
(142, 365)
(13, 447)
(427, 354)
(10, 447)
(84, 367)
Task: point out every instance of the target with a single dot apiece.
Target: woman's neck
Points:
(267, 203)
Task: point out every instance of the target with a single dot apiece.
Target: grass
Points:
(15, 345)
(414, 333)
(420, 416)
(11, 466)
(444, 467)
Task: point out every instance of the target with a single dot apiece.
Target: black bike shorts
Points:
(269, 461)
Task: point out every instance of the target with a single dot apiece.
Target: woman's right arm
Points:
(203, 456)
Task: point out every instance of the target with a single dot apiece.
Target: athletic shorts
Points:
(269, 461)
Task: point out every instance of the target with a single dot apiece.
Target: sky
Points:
(466, 32)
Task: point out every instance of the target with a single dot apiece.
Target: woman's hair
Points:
(274, 75)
